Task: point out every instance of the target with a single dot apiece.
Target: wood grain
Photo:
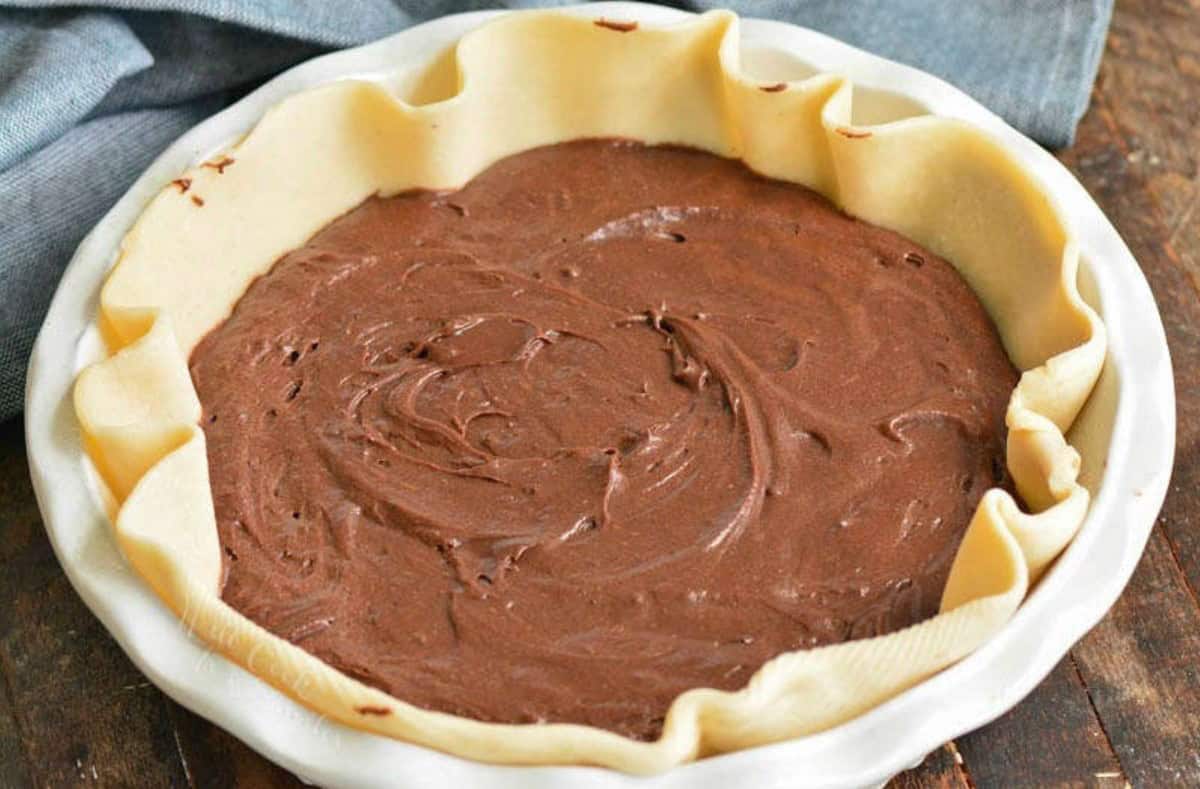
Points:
(1071, 747)
(84, 713)
(1124, 706)
(1142, 670)
(1139, 670)
(1137, 153)
(18, 520)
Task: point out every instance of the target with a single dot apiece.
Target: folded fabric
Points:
(91, 92)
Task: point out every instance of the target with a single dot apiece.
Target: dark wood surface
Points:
(1122, 707)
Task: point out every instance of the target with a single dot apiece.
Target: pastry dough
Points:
(533, 79)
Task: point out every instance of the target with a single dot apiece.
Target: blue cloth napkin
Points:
(90, 93)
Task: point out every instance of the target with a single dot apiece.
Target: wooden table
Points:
(1123, 706)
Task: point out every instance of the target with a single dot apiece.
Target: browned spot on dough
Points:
(853, 134)
(620, 27)
(219, 165)
(778, 86)
(198, 200)
(369, 710)
(183, 184)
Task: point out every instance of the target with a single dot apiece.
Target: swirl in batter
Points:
(609, 423)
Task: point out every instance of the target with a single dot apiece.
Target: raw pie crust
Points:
(534, 79)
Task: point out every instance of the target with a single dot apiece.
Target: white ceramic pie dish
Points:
(1135, 394)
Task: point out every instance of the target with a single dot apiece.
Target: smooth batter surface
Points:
(609, 423)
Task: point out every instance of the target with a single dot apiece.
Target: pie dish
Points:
(1046, 401)
(535, 80)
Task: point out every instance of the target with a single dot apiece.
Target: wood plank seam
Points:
(183, 762)
(1087, 692)
(1173, 551)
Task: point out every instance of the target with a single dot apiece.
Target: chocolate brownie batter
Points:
(609, 423)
